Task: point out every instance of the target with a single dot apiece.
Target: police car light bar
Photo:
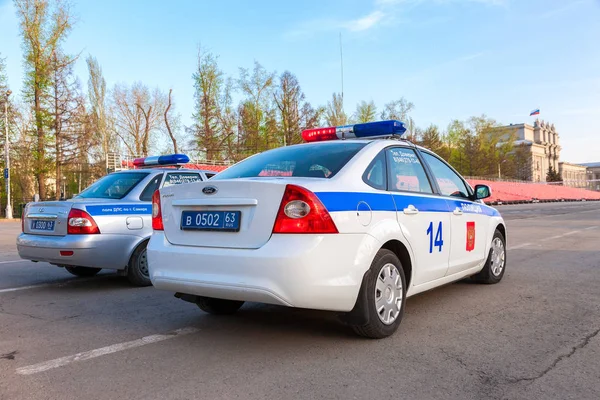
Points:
(161, 161)
(368, 129)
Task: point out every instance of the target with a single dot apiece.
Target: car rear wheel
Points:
(218, 306)
(137, 270)
(384, 289)
(83, 271)
(495, 265)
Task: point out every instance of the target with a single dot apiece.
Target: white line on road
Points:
(86, 355)
(58, 283)
(16, 289)
(15, 261)
(552, 237)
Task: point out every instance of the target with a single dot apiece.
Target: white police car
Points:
(355, 226)
(107, 225)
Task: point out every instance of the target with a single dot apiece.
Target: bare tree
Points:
(43, 28)
(397, 109)
(137, 116)
(168, 125)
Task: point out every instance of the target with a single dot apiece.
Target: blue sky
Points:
(451, 58)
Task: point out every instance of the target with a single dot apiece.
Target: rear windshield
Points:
(113, 186)
(306, 161)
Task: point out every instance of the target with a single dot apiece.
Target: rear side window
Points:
(375, 175)
(177, 178)
(315, 160)
(208, 175)
(405, 171)
(113, 186)
(151, 188)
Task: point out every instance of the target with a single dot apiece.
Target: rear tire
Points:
(495, 265)
(137, 270)
(83, 271)
(384, 289)
(218, 306)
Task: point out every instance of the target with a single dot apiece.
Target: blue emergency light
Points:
(171, 159)
(365, 130)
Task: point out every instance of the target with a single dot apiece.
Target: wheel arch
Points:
(502, 229)
(400, 250)
(134, 248)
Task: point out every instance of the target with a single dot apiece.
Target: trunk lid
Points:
(47, 218)
(257, 202)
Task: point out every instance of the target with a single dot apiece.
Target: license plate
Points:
(40, 225)
(228, 221)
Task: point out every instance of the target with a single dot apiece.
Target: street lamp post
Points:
(9, 213)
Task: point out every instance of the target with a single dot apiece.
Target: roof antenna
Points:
(342, 65)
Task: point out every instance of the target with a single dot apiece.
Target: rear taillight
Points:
(23, 220)
(301, 211)
(157, 222)
(81, 223)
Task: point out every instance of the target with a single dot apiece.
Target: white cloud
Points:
(366, 22)
(384, 12)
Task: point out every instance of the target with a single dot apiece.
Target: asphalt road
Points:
(533, 336)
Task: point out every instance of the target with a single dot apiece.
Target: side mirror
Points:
(482, 192)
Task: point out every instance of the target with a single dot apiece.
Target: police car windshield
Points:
(113, 186)
(317, 160)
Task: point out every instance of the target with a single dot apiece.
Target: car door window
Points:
(375, 173)
(449, 182)
(177, 178)
(405, 171)
(151, 188)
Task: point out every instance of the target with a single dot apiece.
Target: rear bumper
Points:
(94, 251)
(309, 271)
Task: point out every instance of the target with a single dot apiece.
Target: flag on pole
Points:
(535, 112)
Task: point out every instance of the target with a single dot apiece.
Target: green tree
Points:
(365, 112)
(431, 139)
(335, 114)
(208, 84)
(44, 26)
(100, 116)
(553, 175)
(258, 132)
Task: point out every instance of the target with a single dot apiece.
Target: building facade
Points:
(573, 175)
(543, 143)
(593, 175)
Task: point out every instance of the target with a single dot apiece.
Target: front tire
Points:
(82, 271)
(384, 289)
(137, 270)
(218, 306)
(495, 265)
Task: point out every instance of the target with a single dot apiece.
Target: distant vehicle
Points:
(354, 226)
(108, 224)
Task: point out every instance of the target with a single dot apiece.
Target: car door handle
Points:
(457, 211)
(411, 210)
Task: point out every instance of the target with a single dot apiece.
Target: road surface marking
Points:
(10, 262)
(87, 355)
(552, 238)
(63, 282)
(567, 234)
(16, 289)
(520, 246)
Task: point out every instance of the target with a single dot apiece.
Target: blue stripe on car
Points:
(119, 209)
(348, 201)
